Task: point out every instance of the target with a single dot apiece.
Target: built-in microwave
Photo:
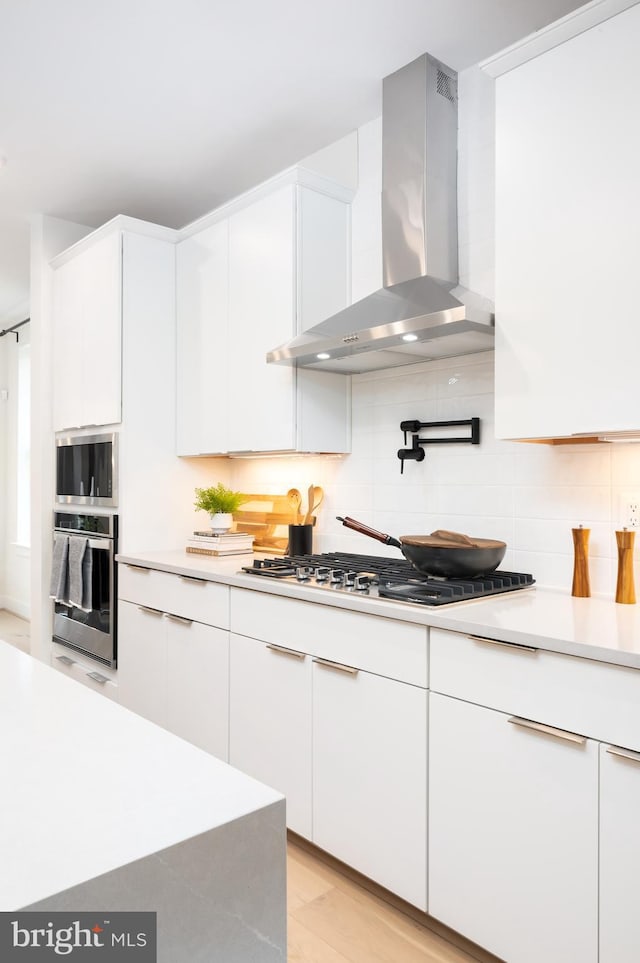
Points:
(87, 469)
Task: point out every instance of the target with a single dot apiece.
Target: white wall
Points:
(529, 495)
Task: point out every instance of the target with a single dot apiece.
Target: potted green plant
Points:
(220, 503)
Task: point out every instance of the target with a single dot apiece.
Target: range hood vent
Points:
(421, 313)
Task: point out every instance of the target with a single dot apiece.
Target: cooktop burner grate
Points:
(389, 578)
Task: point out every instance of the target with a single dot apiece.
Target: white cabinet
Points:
(513, 816)
(369, 776)
(173, 669)
(202, 352)
(619, 854)
(567, 236)
(270, 722)
(267, 268)
(330, 707)
(87, 322)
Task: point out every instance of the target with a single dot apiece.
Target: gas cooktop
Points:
(388, 578)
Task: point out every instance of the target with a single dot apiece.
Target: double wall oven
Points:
(86, 518)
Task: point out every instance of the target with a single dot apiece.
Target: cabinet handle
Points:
(624, 753)
(149, 611)
(65, 660)
(98, 677)
(138, 568)
(338, 666)
(192, 578)
(548, 730)
(280, 650)
(178, 618)
(506, 645)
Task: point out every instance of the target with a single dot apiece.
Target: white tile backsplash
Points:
(529, 495)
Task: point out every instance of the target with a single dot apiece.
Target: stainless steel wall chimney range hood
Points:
(421, 312)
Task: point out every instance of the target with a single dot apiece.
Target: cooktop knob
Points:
(303, 573)
(322, 574)
(362, 583)
(335, 576)
(349, 578)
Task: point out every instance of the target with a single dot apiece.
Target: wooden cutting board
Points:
(267, 518)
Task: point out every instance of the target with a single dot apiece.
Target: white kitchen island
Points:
(102, 810)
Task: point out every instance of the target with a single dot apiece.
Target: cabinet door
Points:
(101, 267)
(142, 661)
(619, 855)
(87, 324)
(68, 366)
(513, 821)
(270, 722)
(369, 776)
(567, 234)
(203, 354)
(198, 684)
(261, 316)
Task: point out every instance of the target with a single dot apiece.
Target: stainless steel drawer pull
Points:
(65, 660)
(280, 650)
(192, 578)
(138, 568)
(178, 618)
(338, 666)
(98, 677)
(149, 611)
(624, 753)
(548, 730)
(504, 645)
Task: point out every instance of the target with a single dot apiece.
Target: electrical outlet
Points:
(631, 511)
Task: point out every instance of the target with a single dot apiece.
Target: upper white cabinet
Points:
(568, 231)
(266, 269)
(87, 336)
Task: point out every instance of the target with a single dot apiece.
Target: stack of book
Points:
(230, 543)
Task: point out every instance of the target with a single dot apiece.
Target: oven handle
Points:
(103, 544)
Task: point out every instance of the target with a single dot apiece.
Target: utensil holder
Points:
(300, 540)
(580, 587)
(625, 587)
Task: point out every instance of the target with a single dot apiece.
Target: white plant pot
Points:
(221, 522)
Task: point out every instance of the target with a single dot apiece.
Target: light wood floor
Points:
(14, 630)
(332, 919)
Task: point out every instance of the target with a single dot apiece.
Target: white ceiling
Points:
(162, 109)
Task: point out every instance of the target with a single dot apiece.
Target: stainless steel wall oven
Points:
(90, 629)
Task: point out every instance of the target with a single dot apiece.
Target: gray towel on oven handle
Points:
(59, 586)
(80, 571)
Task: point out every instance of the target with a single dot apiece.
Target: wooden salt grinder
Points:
(580, 587)
(625, 588)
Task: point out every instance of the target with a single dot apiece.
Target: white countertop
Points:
(594, 628)
(88, 786)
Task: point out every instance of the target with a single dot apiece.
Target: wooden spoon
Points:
(295, 499)
(316, 494)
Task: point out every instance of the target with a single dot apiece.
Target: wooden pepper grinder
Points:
(581, 587)
(625, 588)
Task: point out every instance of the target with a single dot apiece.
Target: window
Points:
(23, 447)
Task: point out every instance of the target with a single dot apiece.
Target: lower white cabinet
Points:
(174, 672)
(619, 854)
(370, 776)
(270, 722)
(513, 834)
(346, 745)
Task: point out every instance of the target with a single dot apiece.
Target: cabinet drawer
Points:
(397, 650)
(592, 698)
(93, 675)
(190, 597)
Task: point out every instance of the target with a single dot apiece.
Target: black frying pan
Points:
(442, 554)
